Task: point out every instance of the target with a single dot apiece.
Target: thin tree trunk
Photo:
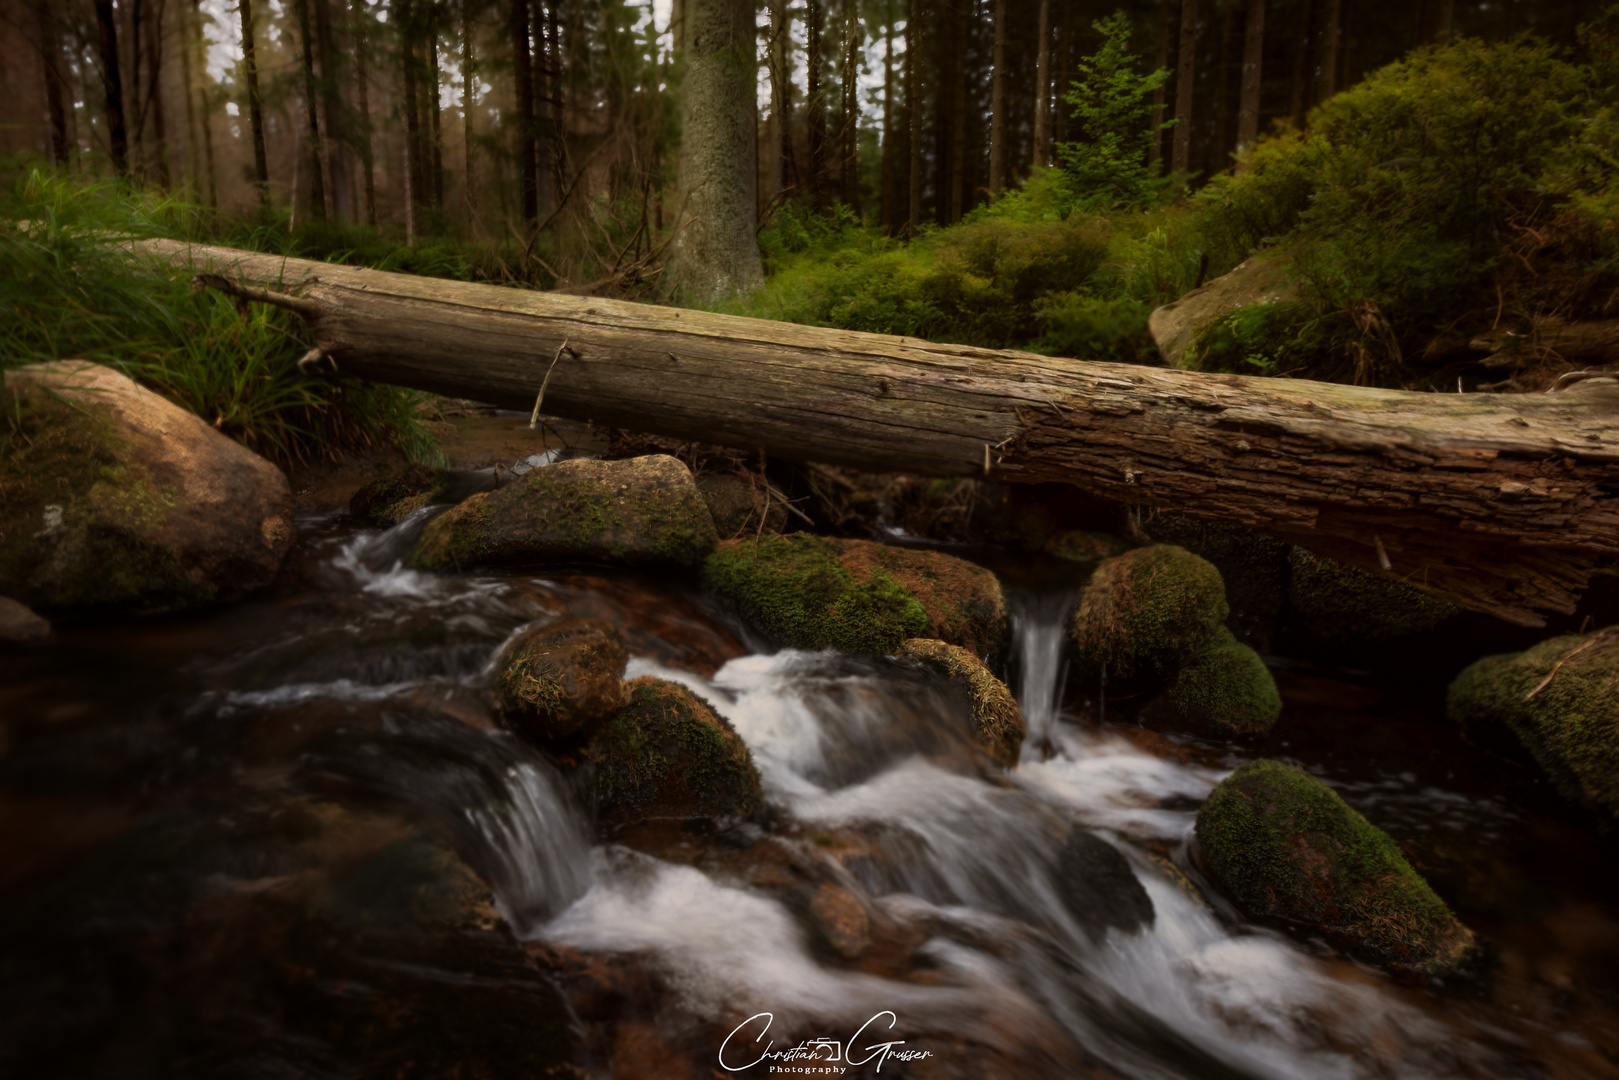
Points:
(1253, 58)
(135, 9)
(154, 97)
(1185, 71)
(362, 85)
(913, 116)
(187, 79)
(780, 127)
(1160, 60)
(550, 136)
(1042, 89)
(469, 88)
(1305, 14)
(410, 92)
(958, 111)
(1220, 154)
(885, 211)
(1329, 49)
(194, 41)
(1447, 21)
(335, 160)
(435, 91)
(997, 105)
(815, 99)
(523, 80)
(255, 105)
(849, 135)
(56, 91)
(1501, 502)
(112, 87)
(319, 199)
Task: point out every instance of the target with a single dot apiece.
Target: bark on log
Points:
(1503, 503)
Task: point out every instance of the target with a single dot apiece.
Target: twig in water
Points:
(534, 418)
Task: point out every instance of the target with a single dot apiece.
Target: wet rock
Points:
(1149, 612)
(388, 501)
(1080, 545)
(997, 722)
(736, 503)
(1226, 690)
(114, 497)
(1098, 886)
(668, 755)
(557, 680)
(1558, 698)
(1333, 602)
(857, 596)
(1288, 848)
(19, 625)
(1176, 326)
(840, 919)
(644, 511)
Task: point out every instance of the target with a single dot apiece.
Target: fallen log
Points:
(1503, 503)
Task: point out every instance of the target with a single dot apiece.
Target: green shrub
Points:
(1112, 106)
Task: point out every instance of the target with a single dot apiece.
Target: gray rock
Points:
(1262, 279)
(19, 625)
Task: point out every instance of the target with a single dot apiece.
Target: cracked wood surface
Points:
(1503, 503)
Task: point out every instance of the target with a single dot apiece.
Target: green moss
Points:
(1149, 611)
(1334, 602)
(1570, 724)
(1288, 848)
(997, 722)
(1253, 565)
(669, 755)
(1227, 690)
(456, 539)
(103, 553)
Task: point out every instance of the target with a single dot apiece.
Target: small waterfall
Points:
(1040, 635)
(538, 845)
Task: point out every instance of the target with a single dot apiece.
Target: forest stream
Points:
(237, 842)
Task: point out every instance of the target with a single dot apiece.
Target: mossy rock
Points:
(1333, 602)
(1288, 848)
(667, 754)
(857, 596)
(387, 501)
(1084, 546)
(1560, 699)
(643, 511)
(1253, 565)
(1148, 612)
(113, 497)
(997, 722)
(1226, 690)
(555, 681)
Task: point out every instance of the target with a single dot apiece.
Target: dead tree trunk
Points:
(1503, 503)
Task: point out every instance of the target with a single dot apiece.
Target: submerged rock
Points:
(1099, 888)
(1149, 612)
(1333, 602)
(19, 625)
(1226, 690)
(111, 496)
(643, 511)
(997, 722)
(667, 754)
(393, 498)
(1559, 699)
(556, 680)
(857, 596)
(1287, 847)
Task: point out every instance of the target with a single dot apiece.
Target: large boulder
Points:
(1288, 848)
(1149, 612)
(997, 722)
(668, 755)
(1226, 690)
(554, 681)
(1332, 602)
(19, 625)
(857, 596)
(111, 496)
(643, 511)
(1559, 699)
(1175, 327)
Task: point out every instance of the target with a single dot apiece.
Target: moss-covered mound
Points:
(114, 497)
(1561, 698)
(1149, 611)
(1333, 602)
(1085, 546)
(556, 680)
(817, 592)
(668, 755)
(997, 722)
(643, 511)
(1226, 690)
(1288, 848)
(1253, 565)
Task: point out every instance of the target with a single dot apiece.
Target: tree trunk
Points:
(411, 98)
(1253, 58)
(1155, 149)
(56, 91)
(112, 85)
(1329, 49)
(1305, 14)
(1042, 90)
(1501, 502)
(1219, 158)
(1447, 21)
(714, 252)
(849, 133)
(997, 105)
(1185, 70)
(362, 84)
(319, 199)
(815, 98)
(886, 202)
(958, 112)
(780, 127)
(334, 160)
(913, 116)
(154, 93)
(188, 80)
(469, 88)
(195, 41)
(435, 98)
(255, 104)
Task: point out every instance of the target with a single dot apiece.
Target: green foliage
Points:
(70, 292)
(1112, 106)
(1260, 339)
(1289, 848)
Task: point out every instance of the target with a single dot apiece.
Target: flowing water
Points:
(205, 816)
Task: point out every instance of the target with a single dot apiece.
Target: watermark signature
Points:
(815, 1057)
